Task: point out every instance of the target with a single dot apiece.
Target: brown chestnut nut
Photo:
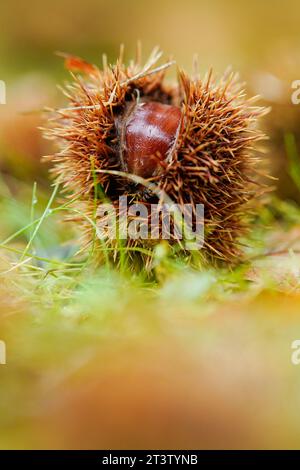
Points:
(148, 136)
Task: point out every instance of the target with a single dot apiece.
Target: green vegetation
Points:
(98, 345)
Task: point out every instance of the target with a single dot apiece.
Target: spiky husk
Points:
(213, 162)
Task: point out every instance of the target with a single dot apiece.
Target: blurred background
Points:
(103, 362)
(248, 35)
